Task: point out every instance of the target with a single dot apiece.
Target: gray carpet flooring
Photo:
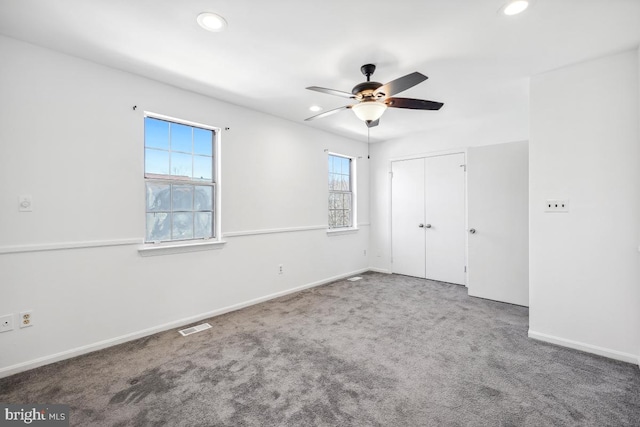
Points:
(387, 350)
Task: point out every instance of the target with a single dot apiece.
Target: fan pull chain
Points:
(368, 143)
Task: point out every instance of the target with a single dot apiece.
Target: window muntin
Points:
(179, 178)
(340, 191)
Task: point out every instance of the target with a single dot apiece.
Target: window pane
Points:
(347, 218)
(333, 161)
(203, 168)
(182, 225)
(182, 198)
(181, 138)
(203, 198)
(344, 182)
(345, 166)
(334, 183)
(181, 164)
(158, 227)
(347, 201)
(158, 197)
(202, 141)
(156, 162)
(202, 225)
(332, 218)
(156, 133)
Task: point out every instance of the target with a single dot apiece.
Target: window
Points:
(180, 182)
(341, 191)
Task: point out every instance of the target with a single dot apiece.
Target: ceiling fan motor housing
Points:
(366, 88)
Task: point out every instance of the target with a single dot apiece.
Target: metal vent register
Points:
(194, 329)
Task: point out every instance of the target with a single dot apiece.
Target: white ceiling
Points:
(478, 61)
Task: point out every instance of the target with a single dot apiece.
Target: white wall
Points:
(585, 265)
(70, 138)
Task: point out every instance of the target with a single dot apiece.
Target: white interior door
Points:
(445, 218)
(407, 213)
(498, 183)
(428, 218)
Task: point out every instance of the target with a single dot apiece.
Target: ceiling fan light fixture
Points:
(369, 110)
(212, 22)
(515, 7)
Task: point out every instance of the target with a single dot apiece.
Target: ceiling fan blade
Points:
(328, 113)
(401, 84)
(413, 104)
(374, 123)
(332, 91)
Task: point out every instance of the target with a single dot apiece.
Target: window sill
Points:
(341, 231)
(152, 249)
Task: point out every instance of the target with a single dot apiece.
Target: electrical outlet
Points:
(280, 269)
(26, 319)
(6, 323)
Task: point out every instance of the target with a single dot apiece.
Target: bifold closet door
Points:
(445, 214)
(407, 213)
(428, 218)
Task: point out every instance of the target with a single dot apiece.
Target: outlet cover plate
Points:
(6, 323)
(557, 205)
(26, 319)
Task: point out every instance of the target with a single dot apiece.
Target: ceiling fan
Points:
(373, 98)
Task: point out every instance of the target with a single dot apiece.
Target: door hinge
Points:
(465, 268)
(391, 174)
(464, 166)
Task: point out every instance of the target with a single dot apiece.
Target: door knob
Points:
(421, 225)
(428, 226)
(472, 230)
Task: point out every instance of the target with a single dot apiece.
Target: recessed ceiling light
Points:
(212, 22)
(315, 108)
(515, 7)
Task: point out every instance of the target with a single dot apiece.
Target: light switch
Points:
(25, 204)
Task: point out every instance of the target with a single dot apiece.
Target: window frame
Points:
(190, 244)
(353, 186)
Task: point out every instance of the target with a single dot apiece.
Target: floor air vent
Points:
(353, 279)
(194, 329)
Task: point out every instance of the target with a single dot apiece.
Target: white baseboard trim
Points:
(588, 348)
(380, 270)
(78, 351)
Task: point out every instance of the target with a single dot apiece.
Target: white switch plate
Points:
(556, 205)
(25, 204)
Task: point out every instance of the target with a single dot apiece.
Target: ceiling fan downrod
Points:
(368, 70)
